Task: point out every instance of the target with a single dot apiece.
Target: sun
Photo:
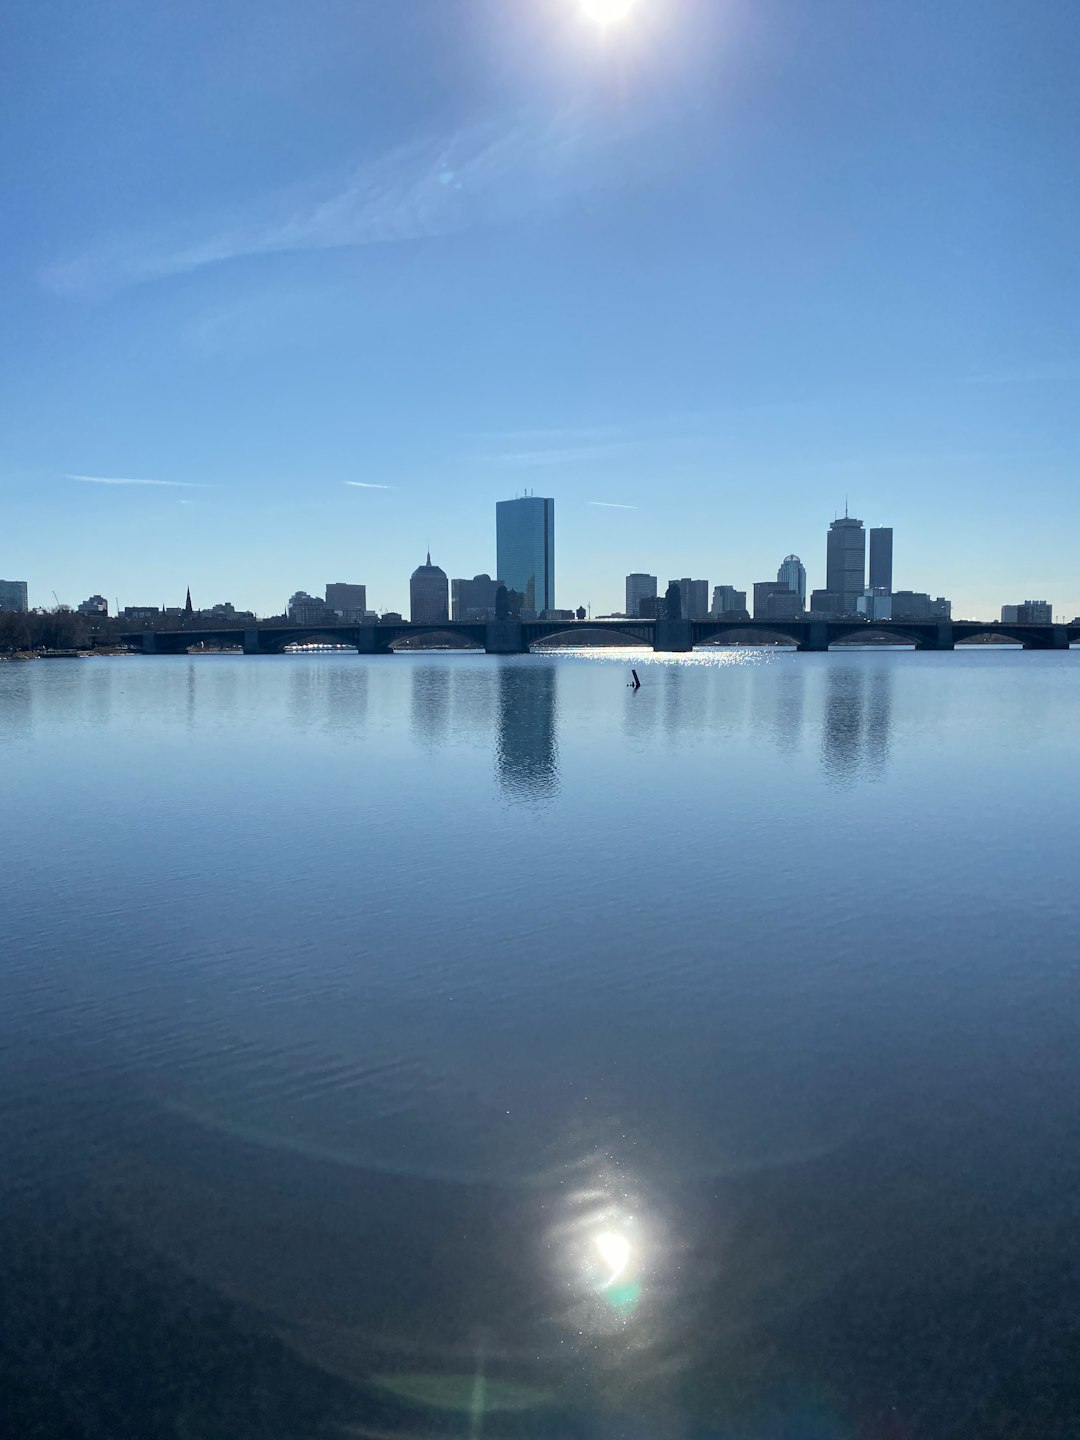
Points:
(607, 12)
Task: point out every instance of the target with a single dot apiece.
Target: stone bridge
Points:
(512, 637)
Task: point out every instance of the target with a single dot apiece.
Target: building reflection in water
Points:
(324, 693)
(431, 686)
(856, 723)
(526, 747)
(790, 693)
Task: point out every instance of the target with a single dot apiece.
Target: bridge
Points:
(517, 637)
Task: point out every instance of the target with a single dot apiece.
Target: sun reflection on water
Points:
(607, 1250)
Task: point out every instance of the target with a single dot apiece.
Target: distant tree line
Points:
(59, 629)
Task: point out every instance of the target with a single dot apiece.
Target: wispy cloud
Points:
(491, 173)
(130, 480)
(611, 505)
(368, 485)
(565, 455)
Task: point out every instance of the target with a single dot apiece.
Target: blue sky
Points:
(726, 263)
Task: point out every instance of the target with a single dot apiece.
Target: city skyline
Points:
(712, 267)
(525, 529)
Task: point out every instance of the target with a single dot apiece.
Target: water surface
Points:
(447, 1045)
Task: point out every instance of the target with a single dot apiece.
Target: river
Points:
(448, 1045)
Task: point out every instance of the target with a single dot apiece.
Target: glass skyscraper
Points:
(525, 546)
(845, 564)
(881, 558)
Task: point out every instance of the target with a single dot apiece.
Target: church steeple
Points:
(187, 603)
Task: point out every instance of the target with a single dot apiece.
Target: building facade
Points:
(792, 573)
(639, 588)
(305, 609)
(429, 594)
(774, 600)
(727, 601)
(525, 550)
(13, 596)
(881, 559)
(474, 599)
(694, 595)
(96, 605)
(845, 568)
(1034, 612)
(825, 602)
(347, 601)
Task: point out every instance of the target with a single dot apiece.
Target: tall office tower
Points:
(429, 594)
(845, 570)
(350, 601)
(525, 550)
(638, 588)
(695, 598)
(13, 595)
(792, 573)
(725, 599)
(474, 599)
(881, 558)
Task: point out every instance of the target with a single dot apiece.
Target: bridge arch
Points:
(870, 634)
(726, 633)
(976, 635)
(599, 637)
(472, 638)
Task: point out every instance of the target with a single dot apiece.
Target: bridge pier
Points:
(251, 643)
(505, 637)
(1059, 637)
(149, 643)
(817, 637)
(673, 636)
(944, 637)
(370, 642)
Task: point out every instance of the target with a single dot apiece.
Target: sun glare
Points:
(607, 12)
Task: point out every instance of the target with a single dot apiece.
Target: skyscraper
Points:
(792, 573)
(429, 594)
(881, 558)
(525, 550)
(845, 568)
(638, 588)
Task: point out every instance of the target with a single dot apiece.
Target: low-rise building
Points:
(346, 600)
(305, 609)
(1031, 612)
(726, 600)
(474, 599)
(95, 605)
(775, 600)
(826, 604)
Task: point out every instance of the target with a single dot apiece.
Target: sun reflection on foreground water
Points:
(607, 1250)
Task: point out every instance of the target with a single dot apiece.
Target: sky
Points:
(292, 291)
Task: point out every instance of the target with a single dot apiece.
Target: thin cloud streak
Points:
(569, 455)
(368, 485)
(612, 505)
(129, 480)
(498, 172)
